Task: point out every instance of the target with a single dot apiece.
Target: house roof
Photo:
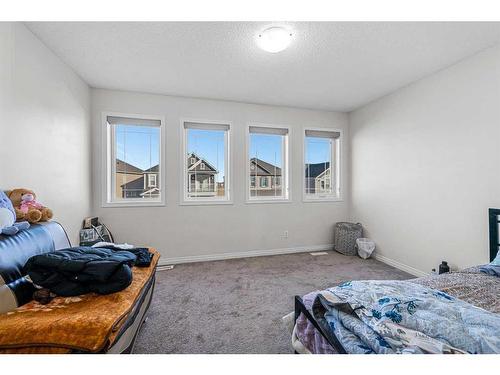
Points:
(124, 167)
(154, 168)
(137, 184)
(314, 170)
(196, 165)
(265, 168)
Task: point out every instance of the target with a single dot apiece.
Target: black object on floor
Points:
(443, 267)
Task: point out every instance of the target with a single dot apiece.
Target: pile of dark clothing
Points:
(80, 270)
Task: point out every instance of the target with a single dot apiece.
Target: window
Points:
(252, 181)
(151, 180)
(322, 162)
(268, 163)
(206, 171)
(263, 182)
(133, 171)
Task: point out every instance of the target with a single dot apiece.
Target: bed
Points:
(324, 324)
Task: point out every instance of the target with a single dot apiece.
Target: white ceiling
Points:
(330, 65)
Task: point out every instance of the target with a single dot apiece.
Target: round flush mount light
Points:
(274, 39)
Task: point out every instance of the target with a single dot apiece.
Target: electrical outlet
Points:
(285, 234)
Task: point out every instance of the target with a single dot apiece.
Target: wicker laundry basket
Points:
(346, 235)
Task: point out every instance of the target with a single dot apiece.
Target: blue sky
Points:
(139, 146)
(318, 150)
(267, 147)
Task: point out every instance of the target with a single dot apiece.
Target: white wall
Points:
(424, 162)
(198, 232)
(44, 127)
(425, 165)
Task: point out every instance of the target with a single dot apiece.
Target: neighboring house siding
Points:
(122, 179)
(323, 182)
(265, 178)
(125, 174)
(138, 183)
(133, 182)
(318, 178)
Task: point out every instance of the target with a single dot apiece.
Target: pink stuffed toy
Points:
(28, 201)
(26, 206)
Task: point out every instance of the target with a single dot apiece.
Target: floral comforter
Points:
(404, 317)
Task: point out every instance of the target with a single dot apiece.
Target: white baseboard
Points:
(244, 254)
(400, 266)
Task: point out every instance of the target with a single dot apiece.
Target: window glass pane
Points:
(252, 181)
(266, 165)
(205, 163)
(318, 163)
(137, 150)
(151, 180)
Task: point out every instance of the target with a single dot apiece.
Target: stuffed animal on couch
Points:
(8, 223)
(27, 207)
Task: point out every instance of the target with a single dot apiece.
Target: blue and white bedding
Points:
(492, 268)
(405, 317)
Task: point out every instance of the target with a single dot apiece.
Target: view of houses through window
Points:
(267, 158)
(136, 157)
(319, 163)
(136, 150)
(206, 175)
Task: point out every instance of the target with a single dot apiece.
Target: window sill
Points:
(267, 201)
(205, 203)
(132, 204)
(325, 199)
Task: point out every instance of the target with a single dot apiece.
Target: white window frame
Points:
(285, 170)
(336, 153)
(108, 164)
(228, 183)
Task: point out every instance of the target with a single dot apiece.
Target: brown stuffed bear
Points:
(26, 206)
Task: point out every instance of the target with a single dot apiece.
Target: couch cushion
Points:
(15, 289)
(87, 323)
(16, 250)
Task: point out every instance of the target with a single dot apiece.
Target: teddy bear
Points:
(26, 206)
(8, 225)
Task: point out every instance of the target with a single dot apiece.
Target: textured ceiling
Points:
(329, 65)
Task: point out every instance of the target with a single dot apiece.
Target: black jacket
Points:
(143, 255)
(81, 270)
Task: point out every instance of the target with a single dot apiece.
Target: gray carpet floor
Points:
(236, 306)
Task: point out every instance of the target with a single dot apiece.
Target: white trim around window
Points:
(201, 124)
(108, 159)
(336, 159)
(273, 129)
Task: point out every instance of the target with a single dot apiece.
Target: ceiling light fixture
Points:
(274, 39)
